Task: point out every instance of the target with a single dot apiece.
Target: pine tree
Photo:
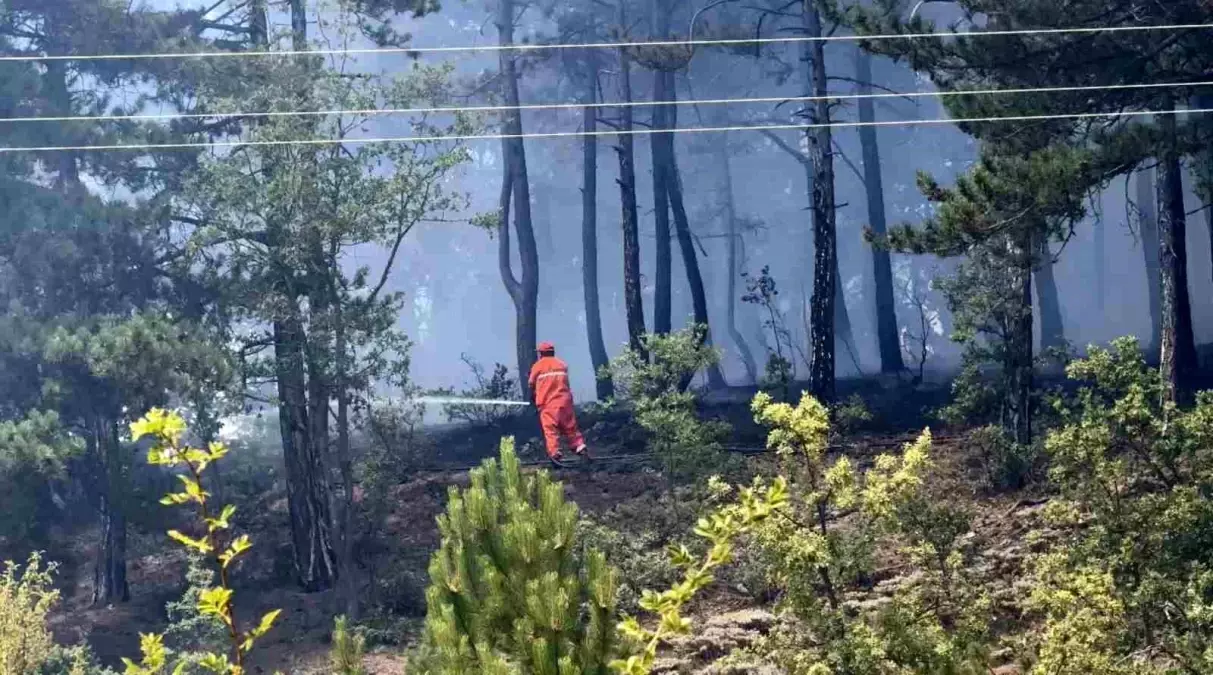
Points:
(998, 216)
(1036, 59)
(510, 591)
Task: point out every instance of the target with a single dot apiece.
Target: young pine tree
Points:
(510, 590)
(998, 216)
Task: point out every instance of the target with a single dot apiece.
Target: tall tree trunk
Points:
(109, 578)
(887, 337)
(843, 335)
(1020, 354)
(825, 252)
(1178, 344)
(1052, 329)
(525, 291)
(604, 387)
(690, 260)
(626, 150)
(732, 269)
(665, 156)
(1148, 219)
(661, 119)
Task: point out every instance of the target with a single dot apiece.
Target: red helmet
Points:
(546, 347)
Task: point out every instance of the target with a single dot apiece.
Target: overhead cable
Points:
(580, 134)
(600, 45)
(149, 117)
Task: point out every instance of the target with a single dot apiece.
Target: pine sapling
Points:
(509, 589)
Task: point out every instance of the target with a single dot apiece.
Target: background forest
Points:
(884, 318)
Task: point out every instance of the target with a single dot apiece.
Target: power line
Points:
(620, 104)
(600, 45)
(579, 134)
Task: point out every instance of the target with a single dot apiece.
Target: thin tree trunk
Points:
(626, 150)
(690, 260)
(664, 156)
(1020, 353)
(526, 292)
(825, 253)
(1052, 329)
(347, 577)
(663, 274)
(887, 336)
(604, 387)
(730, 214)
(1148, 212)
(843, 335)
(1178, 345)
(109, 579)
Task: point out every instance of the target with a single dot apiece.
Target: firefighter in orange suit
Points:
(550, 392)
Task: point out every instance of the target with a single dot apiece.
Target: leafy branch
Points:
(217, 545)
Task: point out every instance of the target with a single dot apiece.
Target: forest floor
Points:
(406, 534)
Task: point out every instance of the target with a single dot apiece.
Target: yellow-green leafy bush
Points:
(1128, 585)
(27, 595)
(821, 553)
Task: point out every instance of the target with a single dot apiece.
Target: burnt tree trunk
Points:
(524, 290)
(1052, 329)
(1178, 360)
(626, 151)
(825, 252)
(1148, 220)
(604, 387)
(887, 337)
(732, 268)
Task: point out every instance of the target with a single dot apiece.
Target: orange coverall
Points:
(549, 382)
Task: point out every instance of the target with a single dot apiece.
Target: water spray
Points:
(451, 400)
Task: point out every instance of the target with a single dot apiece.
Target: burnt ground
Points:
(405, 534)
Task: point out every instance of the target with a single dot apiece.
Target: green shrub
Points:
(1005, 464)
(190, 633)
(685, 444)
(345, 656)
(510, 589)
(639, 555)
